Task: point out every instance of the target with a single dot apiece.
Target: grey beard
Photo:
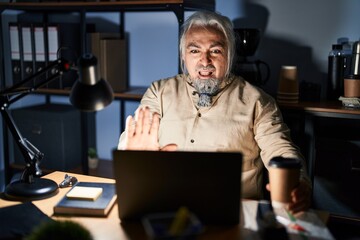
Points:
(206, 89)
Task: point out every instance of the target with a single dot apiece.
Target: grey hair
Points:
(209, 19)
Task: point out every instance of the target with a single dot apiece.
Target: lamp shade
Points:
(90, 93)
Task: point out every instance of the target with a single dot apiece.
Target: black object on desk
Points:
(20, 220)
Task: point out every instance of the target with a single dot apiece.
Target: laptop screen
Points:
(207, 183)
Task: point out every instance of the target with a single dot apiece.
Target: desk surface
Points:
(327, 106)
(111, 227)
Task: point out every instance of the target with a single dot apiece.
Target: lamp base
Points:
(39, 189)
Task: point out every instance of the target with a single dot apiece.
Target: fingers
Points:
(170, 147)
(299, 206)
(142, 131)
(147, 121)
(268, 187)
(301, 198)
(143, 122)
(155, 123)
(139, 121)
(130, 126)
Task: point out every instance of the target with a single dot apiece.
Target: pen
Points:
(290, 224)
(291, 217)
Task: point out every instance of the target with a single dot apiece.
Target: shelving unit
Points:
(178, 7)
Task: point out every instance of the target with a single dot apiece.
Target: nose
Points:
(206, 58)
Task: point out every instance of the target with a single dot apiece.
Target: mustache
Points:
(202, 67)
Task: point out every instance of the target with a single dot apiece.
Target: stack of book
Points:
(88, 199)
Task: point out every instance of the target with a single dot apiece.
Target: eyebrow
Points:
(215, 44)
(192, 44)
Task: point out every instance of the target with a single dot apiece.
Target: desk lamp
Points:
(89, 93)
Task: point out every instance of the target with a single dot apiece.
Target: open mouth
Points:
(205, 73)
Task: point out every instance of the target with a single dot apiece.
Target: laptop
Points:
(207, 183)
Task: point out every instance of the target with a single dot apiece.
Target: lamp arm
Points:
(31, 154)
(16, 92)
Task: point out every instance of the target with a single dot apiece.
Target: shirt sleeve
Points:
(273, 135)
(150, 98)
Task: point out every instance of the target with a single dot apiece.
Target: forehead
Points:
(205, 35)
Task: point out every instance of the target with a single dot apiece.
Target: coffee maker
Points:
(252, 70)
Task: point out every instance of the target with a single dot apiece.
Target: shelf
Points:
(132, 94)
(104, 169)
(329, 107)
(133, 5)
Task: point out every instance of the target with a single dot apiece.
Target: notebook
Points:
(207, 183)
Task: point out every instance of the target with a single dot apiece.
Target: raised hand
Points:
(142, 132)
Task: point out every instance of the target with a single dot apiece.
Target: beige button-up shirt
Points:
(241, 118)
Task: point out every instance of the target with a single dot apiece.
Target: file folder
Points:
(39, 44)
(15, 52)
(113, 63)
(111, 52)
(63, 41)
(52, 53)
(27, 52)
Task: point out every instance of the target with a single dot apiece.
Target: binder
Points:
(111, 52)
(15, 52)
(39, 49)
(27, 52)
(63, 41)
(113, 63)
(52, 33)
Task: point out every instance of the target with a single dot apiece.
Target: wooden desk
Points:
(111, 227)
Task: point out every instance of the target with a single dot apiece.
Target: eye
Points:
(194, 51)
(216, 51)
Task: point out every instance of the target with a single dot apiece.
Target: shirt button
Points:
(199, 114)
(192, 140)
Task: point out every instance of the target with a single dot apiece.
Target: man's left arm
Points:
(273, 138)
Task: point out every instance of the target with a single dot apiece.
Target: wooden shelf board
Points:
(328, 107)
(104, 169)
(136, 5)
(134, 93)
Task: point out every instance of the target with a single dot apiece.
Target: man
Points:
(209, 109)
